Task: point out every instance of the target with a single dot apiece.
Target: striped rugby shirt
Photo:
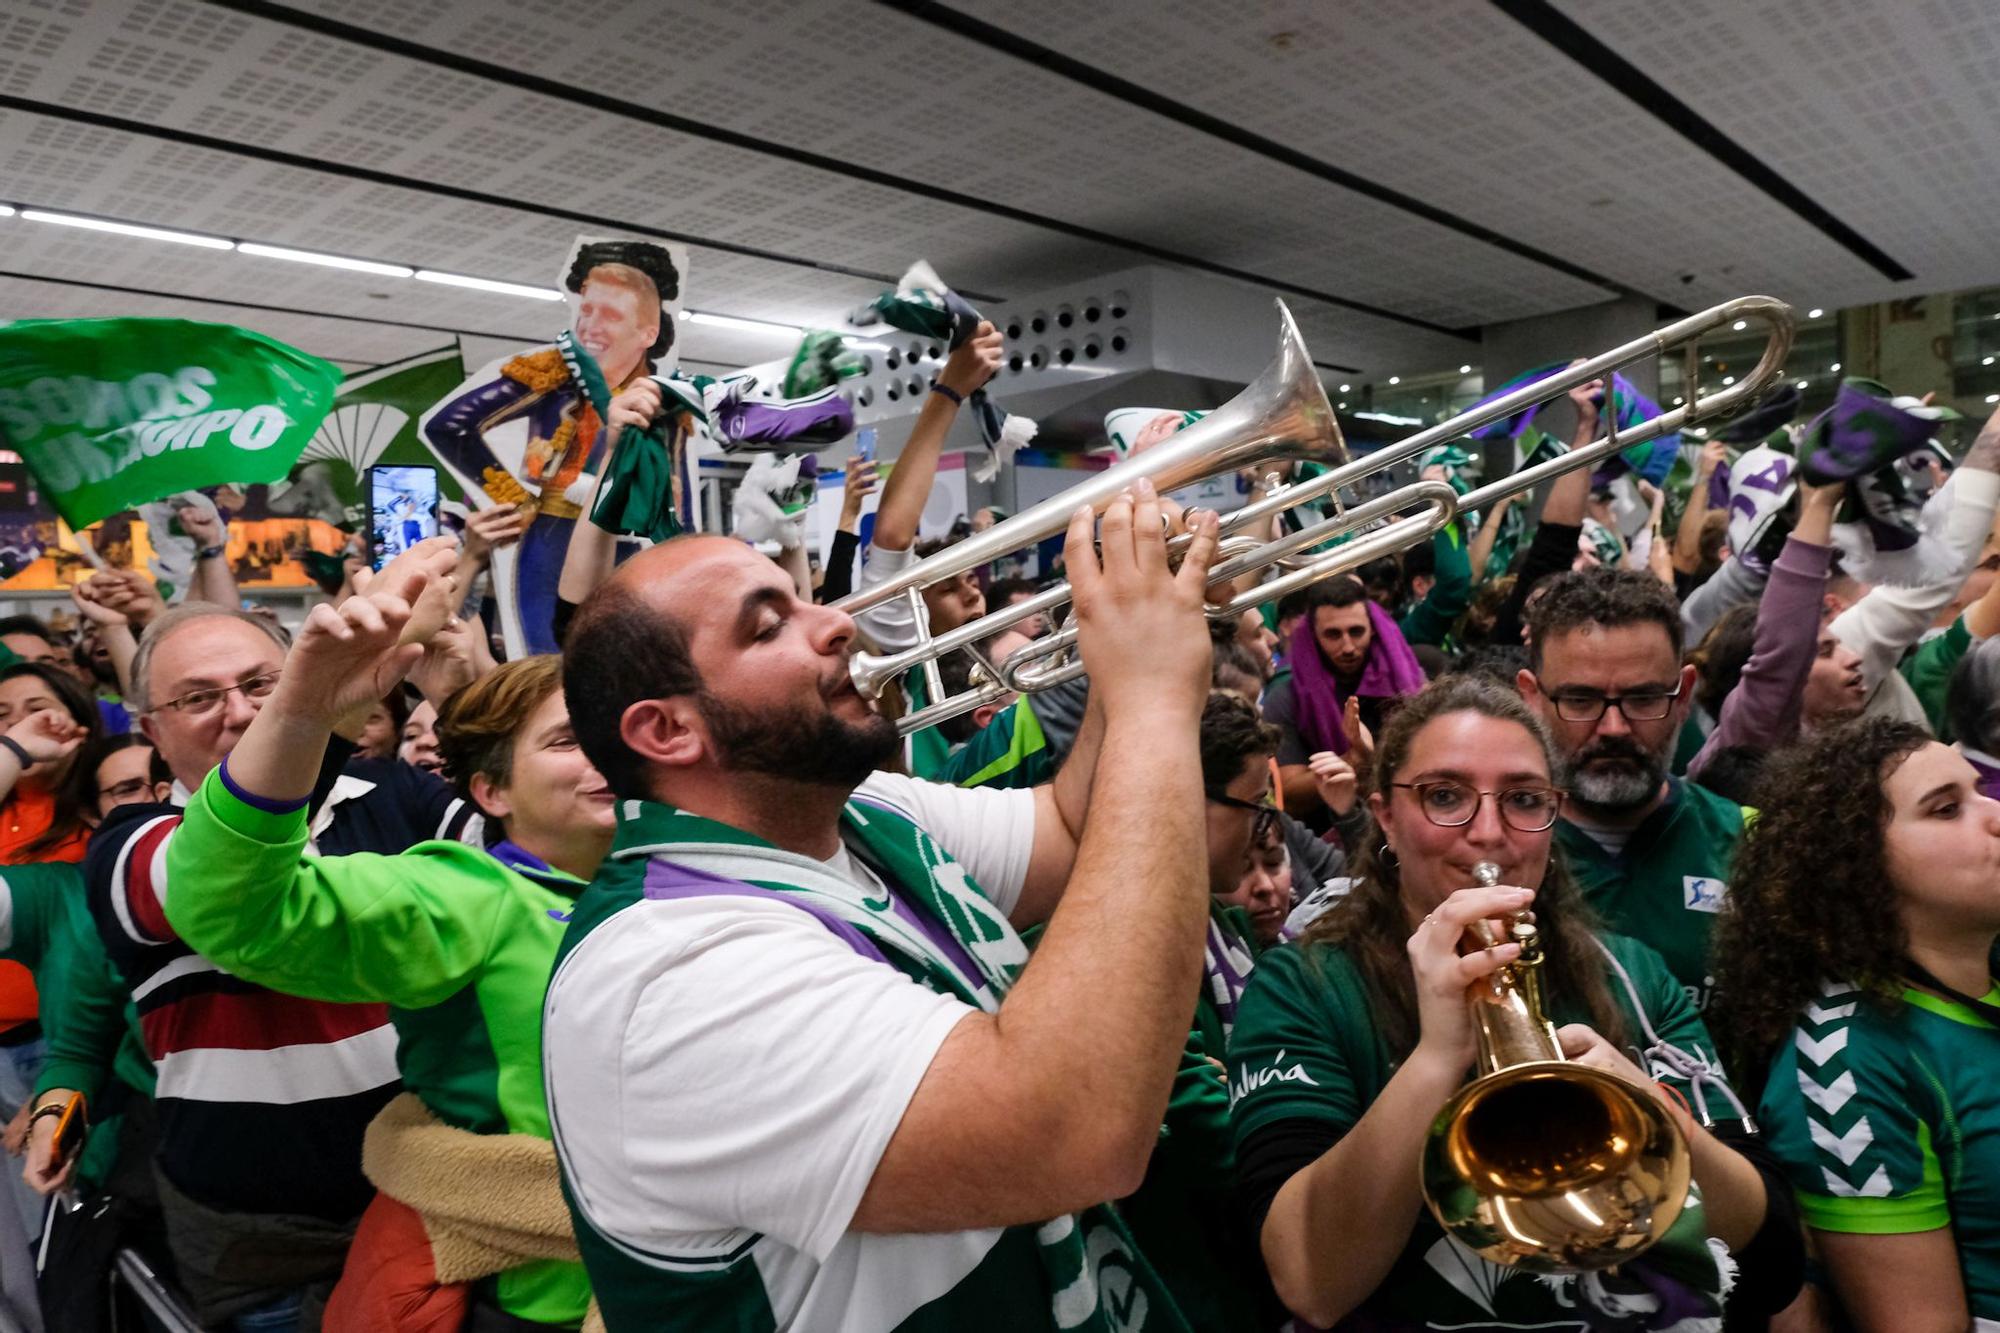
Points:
(262, 1097)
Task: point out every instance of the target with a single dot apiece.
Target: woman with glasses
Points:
(1856, 983)
(1348, 1042)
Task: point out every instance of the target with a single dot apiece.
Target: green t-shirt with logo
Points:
(1888, 1120)
(1306, 1046)
(1666, 885)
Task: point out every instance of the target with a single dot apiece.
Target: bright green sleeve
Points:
(1929, 669)
(1430, 620)
(1009, 751)
(408, 930)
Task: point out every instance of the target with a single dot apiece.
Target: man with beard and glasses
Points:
(801, 1073)
(1651, 852)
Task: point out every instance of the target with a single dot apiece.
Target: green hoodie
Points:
(458, 942)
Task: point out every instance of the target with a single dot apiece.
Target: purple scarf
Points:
(1391, 672)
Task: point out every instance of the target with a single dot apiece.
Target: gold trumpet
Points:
(1541, 1163)
(1282, 416)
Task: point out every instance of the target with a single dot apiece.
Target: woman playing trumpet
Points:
(1349, 1042)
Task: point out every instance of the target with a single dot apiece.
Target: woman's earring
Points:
(1387, 856)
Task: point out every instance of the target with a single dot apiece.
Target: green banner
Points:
(114, 413)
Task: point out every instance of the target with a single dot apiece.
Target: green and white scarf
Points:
(661, 852)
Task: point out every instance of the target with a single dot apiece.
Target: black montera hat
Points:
(651, 260)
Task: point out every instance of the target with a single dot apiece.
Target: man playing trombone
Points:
(761, 1120)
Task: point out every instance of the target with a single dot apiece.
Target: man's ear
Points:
(669, 732)
(1530, 688)
(1686, 699)
(149, 730)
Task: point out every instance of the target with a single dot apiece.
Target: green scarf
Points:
(660, 851)
(636, 497)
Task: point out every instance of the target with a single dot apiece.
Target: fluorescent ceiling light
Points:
(738, 322)
(1803, 384)
(1395, 379)
(1391, 418)
(6, 210)
(1814, 313)
(1343, 388)
(488, 285)
(1465, 370)
(127, 229)
(330, 261)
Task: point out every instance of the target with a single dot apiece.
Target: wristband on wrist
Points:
(211, 552)
(940, 387)
(53, 1108)
(19, 750)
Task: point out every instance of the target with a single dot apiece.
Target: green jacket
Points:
(459, 943)
(89, 1028)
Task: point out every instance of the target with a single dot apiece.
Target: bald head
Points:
(672, 574)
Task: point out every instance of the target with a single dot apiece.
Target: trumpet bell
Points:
(1551, 1166)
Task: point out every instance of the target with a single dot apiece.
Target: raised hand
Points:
(487, 530)
(1141, 625)
(130, 593)
(203, 526)
(1335, 779)
(973, 362)
(635, 405)
(88, 595)
(1588, 399)
(48, 734)
(859, 485)
(1360, 740)
(347, 656)
(456, 655)
(1713, 454)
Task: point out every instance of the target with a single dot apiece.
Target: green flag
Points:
(114, 413)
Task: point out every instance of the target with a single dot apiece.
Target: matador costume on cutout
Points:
(564, 450)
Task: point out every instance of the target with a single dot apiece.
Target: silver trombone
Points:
(1284, 416)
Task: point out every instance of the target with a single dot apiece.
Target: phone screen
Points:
(864, 444)
(402, 508)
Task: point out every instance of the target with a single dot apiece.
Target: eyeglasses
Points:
(1449, 804)
(1638, 706)
(200, 703)
(1266, 815)
(123, 791)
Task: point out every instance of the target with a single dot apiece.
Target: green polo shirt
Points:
(1666, 885)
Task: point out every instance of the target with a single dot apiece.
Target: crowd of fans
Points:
(664, 984)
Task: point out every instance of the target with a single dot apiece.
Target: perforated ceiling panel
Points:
(1007, 175)
(1882, 110)
(1453, 103)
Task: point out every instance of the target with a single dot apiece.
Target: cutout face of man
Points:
(616, 324)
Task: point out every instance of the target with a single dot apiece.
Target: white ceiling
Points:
(1011, 174)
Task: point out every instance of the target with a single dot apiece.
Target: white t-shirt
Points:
(722, 1066)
